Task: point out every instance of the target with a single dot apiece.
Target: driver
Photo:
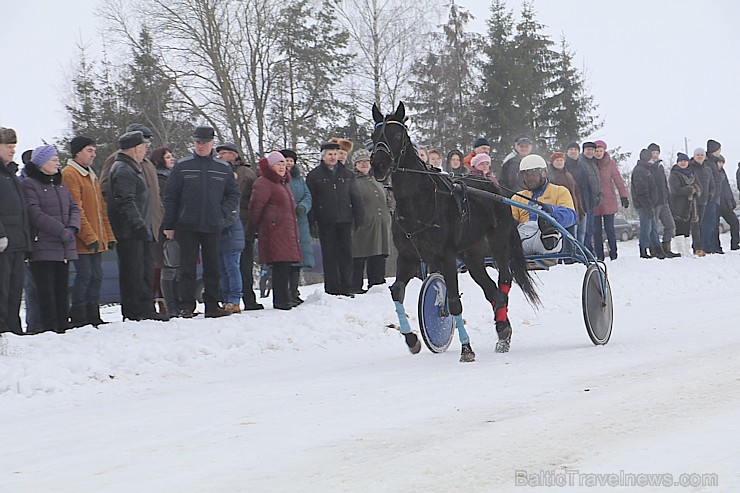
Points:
(537, 234)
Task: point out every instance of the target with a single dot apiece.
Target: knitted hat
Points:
(130, 139)
(360, 155)
(556, 155)
(573, 145)
(699, 150)
(8, 136)
(721, 159)
(681, 157)
(290, 153)
(480, 159)
(41, 155)
(344, 144)
(79, 143)
(654, 147)
(645, 155)
(713, 145)
(274, 157)
(600, 143)
(481, 141)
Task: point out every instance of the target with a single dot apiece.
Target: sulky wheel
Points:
(436, 325)
(598, 310)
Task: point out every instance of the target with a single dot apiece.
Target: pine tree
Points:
(444, 85)
(497, 116)
(570, 110)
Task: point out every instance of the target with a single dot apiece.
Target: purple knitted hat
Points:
(274, 157)
(42, 154)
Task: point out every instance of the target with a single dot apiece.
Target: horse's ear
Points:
(377, 115)
(400, 112)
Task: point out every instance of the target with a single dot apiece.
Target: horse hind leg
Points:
(398, 293)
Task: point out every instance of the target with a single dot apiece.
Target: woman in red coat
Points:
(272, 211)
(604, 212)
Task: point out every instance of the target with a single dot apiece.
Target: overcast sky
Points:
(659, 70)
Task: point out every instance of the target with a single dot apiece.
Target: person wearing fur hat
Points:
(705, 177)
(710, 221)
(726, 209)
(510, 169)
(480, 166)
(645, 198)
(303, 203)
(663, 212)
(480, 146)
(272, 211)
(15, 235)
(337, 205)
(345, 147)
(454, 164)
(55, 219)
(371, 242)
(605, 211)
(685, 189)
(95, 235)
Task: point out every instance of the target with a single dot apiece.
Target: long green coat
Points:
(374, 237)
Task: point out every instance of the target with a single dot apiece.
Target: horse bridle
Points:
(382, 145)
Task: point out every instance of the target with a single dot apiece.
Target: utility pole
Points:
(686, 145)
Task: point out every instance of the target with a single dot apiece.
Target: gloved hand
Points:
(141, 233)
(3, 243)
(625, 202)
(68, 235)
(547, 208)
(93, 247)
(300, 211)
(111, 245)
(314, 229)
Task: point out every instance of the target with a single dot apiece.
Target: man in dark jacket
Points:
(509, 177)
(706, 182)
(645, 198)
(727, 206)
(129, 210)
(200, 199)
(580, 175)
(15, 235)
(663, 209)
(245, 177)
(593, 194)
(336, 204)
(710, 221)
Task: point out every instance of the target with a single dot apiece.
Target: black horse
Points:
(438, 220)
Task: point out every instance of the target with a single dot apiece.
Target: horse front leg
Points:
(501, 310)
(405, 270)
(449, 271)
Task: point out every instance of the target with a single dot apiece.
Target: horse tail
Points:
(518, 268)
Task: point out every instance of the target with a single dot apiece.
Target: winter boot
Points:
(169, 291)
(657, 252)
(466, 354)
(293, 283)
(667, 250)
(160, 306)
(78, 316)
(93, 315)
(644, 253)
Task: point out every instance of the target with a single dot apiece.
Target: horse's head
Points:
(389, 141)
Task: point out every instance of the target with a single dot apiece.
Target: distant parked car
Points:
(625, 229)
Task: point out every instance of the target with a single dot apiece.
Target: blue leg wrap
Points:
(461, 332)
(403, 321)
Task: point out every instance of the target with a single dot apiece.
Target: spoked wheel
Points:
(436, 325)
(598, 310)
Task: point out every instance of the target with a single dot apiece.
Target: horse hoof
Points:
(504, 345)
(412, 342)
(467, 355)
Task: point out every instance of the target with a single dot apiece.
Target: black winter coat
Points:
(13, 210)
(726, 197)
(661, 182)
(201, 195)
(510, 174)
(711, 163)
(706, 181)
(683, 196)
(644, 186)
(128, 200)
(336, 198)
(593, 194)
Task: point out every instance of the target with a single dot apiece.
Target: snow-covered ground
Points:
(326, 398)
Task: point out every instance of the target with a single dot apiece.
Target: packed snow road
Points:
(325, 398)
